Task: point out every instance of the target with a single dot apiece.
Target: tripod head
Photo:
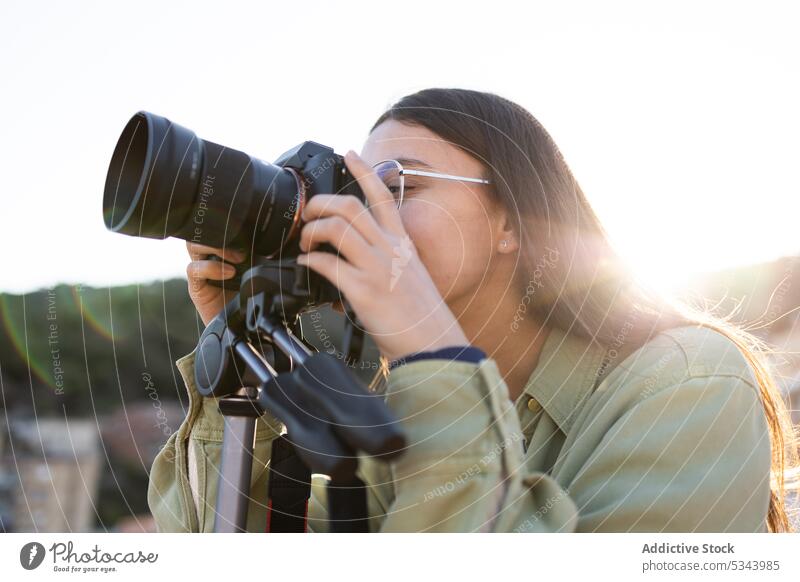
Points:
(249, 358)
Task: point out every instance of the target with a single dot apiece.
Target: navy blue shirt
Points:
(458, 353)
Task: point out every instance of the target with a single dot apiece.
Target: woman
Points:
(541, 389)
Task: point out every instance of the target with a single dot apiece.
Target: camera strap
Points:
(288, 491)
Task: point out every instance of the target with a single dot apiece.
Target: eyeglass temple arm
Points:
(444, 176)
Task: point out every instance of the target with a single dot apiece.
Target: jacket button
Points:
(533, 405)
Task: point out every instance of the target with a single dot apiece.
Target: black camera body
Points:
(165, 181)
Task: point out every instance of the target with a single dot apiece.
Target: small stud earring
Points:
(504, 243)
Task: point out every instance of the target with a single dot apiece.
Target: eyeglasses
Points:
(393, 175)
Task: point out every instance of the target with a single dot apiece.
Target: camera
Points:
(164, 181)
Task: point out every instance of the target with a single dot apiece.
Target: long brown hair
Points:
(589, 290)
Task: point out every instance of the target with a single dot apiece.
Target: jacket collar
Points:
(564, 375)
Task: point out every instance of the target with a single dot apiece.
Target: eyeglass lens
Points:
(390, 173)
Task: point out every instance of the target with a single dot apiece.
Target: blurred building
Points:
(49, 475)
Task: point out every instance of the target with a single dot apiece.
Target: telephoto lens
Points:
(165, 181)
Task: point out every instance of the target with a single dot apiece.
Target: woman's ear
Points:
(507, 241)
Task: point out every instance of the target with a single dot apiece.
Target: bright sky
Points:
(680, 122)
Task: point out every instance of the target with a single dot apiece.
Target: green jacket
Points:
(673, 439)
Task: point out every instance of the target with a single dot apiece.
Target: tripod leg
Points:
(289, 489)
(347, 506)
(236, 468)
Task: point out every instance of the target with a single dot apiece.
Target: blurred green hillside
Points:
(86, 349)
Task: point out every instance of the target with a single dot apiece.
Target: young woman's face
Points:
(454, 225)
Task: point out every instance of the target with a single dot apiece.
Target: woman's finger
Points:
(336, 270)
(348, 207)
(198, 251)
(217, 270)
(381, 202)
(340, 235)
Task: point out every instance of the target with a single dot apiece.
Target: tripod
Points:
(328, 413)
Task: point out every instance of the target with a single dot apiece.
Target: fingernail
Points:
(228, 270)
(301, 259)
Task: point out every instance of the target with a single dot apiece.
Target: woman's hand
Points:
(208, 299)
(378, 270)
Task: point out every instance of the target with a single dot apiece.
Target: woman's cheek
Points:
(440, 245)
